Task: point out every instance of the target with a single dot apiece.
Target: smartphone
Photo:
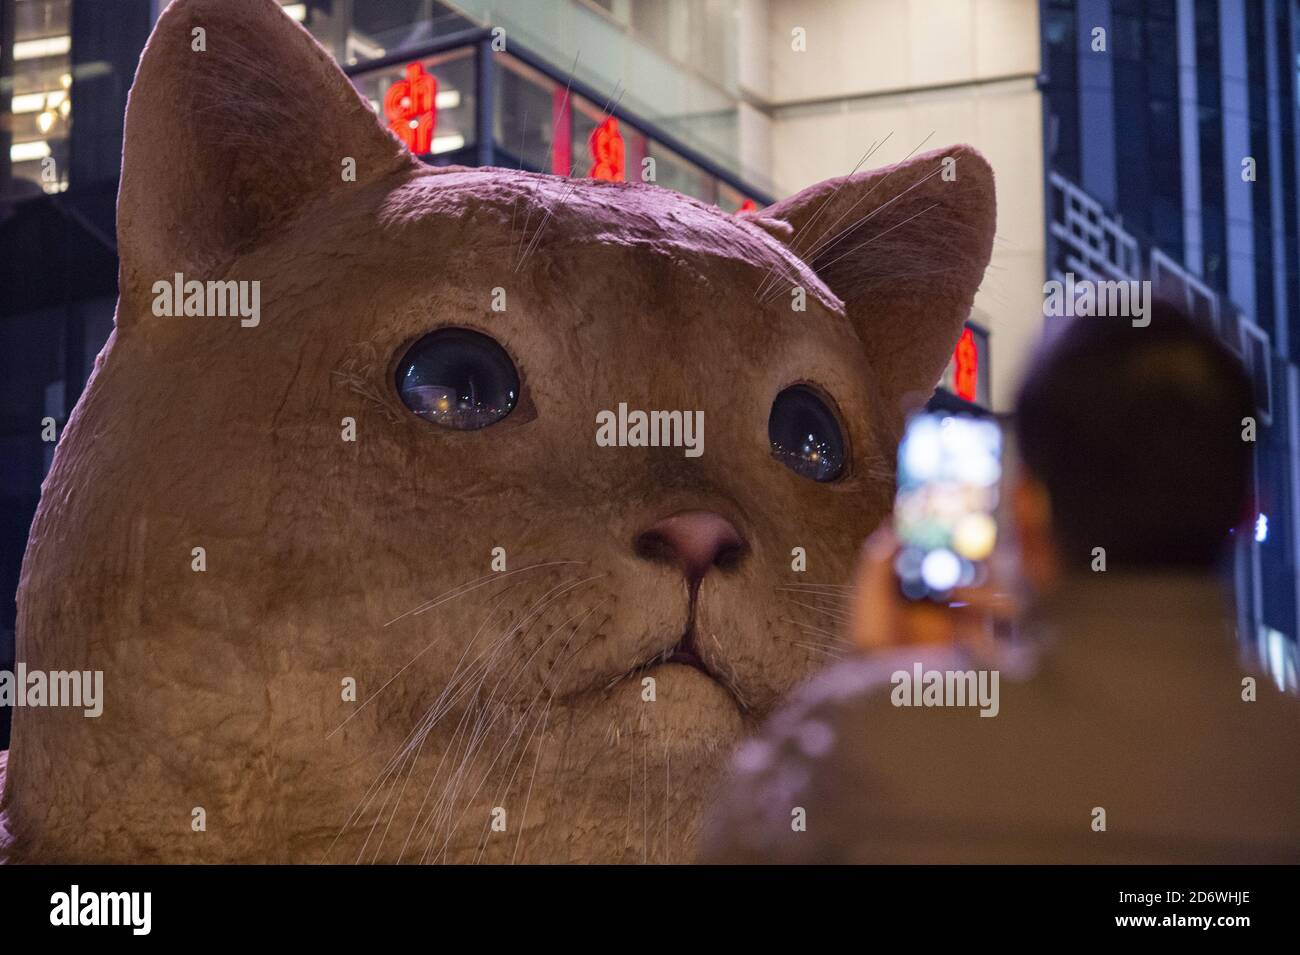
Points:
(945, 511)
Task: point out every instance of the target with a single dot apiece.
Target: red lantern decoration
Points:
(607, 152)
(966, 366)
(410, 105)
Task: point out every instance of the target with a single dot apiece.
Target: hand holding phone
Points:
(948, 492)
(949, 478)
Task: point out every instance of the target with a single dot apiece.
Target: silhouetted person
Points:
(1135, 736)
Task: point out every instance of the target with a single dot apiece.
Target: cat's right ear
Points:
(236, 119)
(905, 248)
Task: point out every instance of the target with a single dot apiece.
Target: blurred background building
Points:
(1171, 155)
(1119, 158)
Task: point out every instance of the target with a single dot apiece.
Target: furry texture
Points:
(328, 560)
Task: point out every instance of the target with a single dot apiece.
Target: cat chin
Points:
(612, 777)
(677, 689)
(678, 706)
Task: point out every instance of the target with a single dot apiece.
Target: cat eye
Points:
(458, 379)
(806, 435)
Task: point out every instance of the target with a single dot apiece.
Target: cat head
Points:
(398, 481)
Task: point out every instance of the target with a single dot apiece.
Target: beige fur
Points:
(223, 688)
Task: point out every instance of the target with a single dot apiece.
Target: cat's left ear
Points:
(237, 119)
(905, 248)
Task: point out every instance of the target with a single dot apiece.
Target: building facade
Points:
(1171, 155)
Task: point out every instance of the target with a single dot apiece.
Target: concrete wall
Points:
(952, 70)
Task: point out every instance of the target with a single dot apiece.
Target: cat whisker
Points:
(829, 241)
(568, 192)
(521, 747)
(818, 639)
(514, 206)
(417, 736)
(528, 217)
(471, 733)
(829, 634)
(667, 789)
(820, 209)
(880, 235)
(841, 599)
(465, 734)
(523, 819)
(555, 124)
(522, 750)
(514, 214)
(430, 605)
(871, 150)
(424, 736)
(376, 786)
(815, 587)
(631, 769)
(822, 643)
(834, 654)
(494, 711)
(828, 235)
(514, 743)
(474, 585)
(457, 686)
(825, 611)
(645, 799)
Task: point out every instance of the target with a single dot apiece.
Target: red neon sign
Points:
(966, 366)
(562, 141)
(410, 105)
(607, 153)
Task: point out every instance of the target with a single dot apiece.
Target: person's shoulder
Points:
(850, 681)
(796, 755)
(858, 682)
(4, 829)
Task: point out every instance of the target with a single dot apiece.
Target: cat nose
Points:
(696, 541)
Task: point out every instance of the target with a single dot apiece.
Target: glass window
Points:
(586, 117)
(1060, 62)
(356, 32)
(533, 129)
(528, 113)
(40, 100)
(697, 34)
(674, 172)
(396, 95)
(603, 146)
(732, 200)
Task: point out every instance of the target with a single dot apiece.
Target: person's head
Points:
(1132, 440)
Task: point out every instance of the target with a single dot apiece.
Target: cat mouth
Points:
(686, 653)
(680, 656)
(677, 657)
(683, 652)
